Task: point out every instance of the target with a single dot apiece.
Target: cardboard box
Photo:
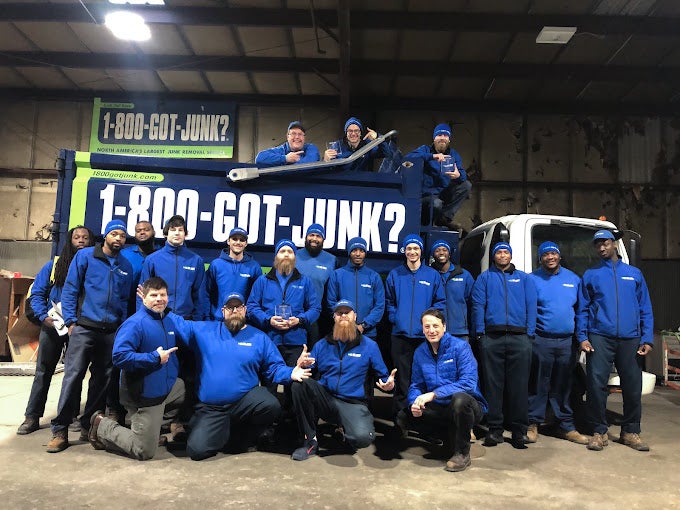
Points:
(23, 340)
(12, 305)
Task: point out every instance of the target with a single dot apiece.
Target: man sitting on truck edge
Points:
(293, 151)
(357, 136)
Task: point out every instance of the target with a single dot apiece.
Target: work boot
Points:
(75, 425)
(459, 462)
(30, 424)
(532, 432)
(310, 448)
(598, 442)
(634, 441)
(59, 442)
(84, 435)
(96, 419)
(473, 438)
(178, 433)
(574, 436)
(493, 437)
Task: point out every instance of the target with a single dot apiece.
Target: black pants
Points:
(457, 418)
(402, 350)
(290, 355)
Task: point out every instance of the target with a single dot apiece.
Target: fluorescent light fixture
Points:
(137, 2)
(128, 26)
(555, 35)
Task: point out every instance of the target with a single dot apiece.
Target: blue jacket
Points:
(615, 303)
(504, 301)
(276, 156)
(298, 293)
(229, 366)
(96, 290)
(136, 258)
(408, 294)
(43, 292)
(557, 297)
(184, 272)
(318, 269)
(458, 284)
(343, 369)
(365, 162)
(434, 179)
(452, 370)
(144, 381)
(226, 275)
(363, 287)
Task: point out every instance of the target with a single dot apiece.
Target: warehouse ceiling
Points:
(474, 55)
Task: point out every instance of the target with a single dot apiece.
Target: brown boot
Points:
(574, 436)
(532, 432)
(178, 433)
(459, 462)
(634, 441)
(598, 442)
(59, 442)
(94, 427)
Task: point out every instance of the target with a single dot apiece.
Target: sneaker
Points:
(598, 442)
(59, 442)
(310, 449)
(634, 441)
(532, 432)
(96, 419)
(29, 425)
(459, 462)
(574, 436)
(75, 425)
(178, 433)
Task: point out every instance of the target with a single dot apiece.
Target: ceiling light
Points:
(555, 35)
(127, 26)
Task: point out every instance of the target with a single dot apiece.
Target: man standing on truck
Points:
(444, 179)
(410, 289)
(553, 352)
(504, 318)
(616, 325)
(316, 264)
(233, 271)
(145, 239)
(293, 151)
(457, 283)
(93, 303)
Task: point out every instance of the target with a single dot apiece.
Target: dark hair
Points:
(175, 221)
(67, 254)
(434, 312)
(153, 283)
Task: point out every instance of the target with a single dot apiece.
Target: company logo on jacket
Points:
(449, 361)
(628, 278)
(244, 275)
(354, 354)
(245, 344)
(321, 267)
(456, 279)
(120, 271)
(568, 285)
(514, 280)
(366, 285)
(424, 282)
(189, 268)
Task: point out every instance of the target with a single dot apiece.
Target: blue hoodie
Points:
(365, 163)
(97, 289)
(318, 269)
(276, 156)
(504, 301)
(184, 272)
(144, 381)
(557, 296)
(229, 366)
(615, 303)
(343, 368)
(458, 284)
(363, 287)
(43, 292)
(434, 179)
(226, 275)
(452, 370)
(408, 294)
(298, 293)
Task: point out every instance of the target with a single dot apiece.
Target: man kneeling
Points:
(444, 388)
(343, 360)
(149, 387)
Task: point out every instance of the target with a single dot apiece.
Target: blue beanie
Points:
(413, 238)
(603, 234)
(315, 228)
(441, 243)
(546, 247)
(354, 120)
(284, 242)
(114, 225)
(296, 124)
(442, 129)
(501, 246)
(356, 242)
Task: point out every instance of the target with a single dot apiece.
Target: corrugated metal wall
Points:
(663, 280)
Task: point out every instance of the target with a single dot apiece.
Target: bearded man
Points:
(342, 360)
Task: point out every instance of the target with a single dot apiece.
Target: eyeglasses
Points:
(233, 309)
(340, 314)
(354, 131)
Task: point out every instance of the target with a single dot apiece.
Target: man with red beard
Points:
(282, 304)
(342, 360)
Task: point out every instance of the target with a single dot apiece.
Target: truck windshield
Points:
(575, 242)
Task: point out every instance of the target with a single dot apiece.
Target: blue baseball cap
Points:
(234, 295)
(411, 239)
(501, 246)
(114, 225)
(238, 231)
(315, 228)
(441, 129)
(296, 124)
(344, 303)
(284, 242)
(547, 247)
(357, 242)
(603, 234)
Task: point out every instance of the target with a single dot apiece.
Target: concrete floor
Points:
(550, 474)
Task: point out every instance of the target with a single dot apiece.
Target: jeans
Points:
(623, 353)
(313, 401)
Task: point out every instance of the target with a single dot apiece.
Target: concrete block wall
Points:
(623, 168)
